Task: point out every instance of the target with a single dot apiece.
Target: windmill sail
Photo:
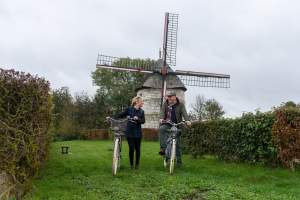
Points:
(125, 64)
(170, 38)
(203, 79)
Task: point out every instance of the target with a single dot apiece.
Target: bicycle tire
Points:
(173, 156)
(115, 157)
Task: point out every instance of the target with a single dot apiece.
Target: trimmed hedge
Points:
(271, 137)
(149, 134)
(247, 139)
(25, 106)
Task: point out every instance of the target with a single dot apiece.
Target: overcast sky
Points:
(257, 42)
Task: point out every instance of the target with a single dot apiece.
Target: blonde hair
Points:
(135, 100)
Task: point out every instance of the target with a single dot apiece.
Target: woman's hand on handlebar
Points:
(132, 119)
(135, 118)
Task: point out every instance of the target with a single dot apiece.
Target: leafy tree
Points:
(84, 114)
(289, 104)
(213, 110)
(62, 106)
(102, 110)
(118, 87)
(63, 126)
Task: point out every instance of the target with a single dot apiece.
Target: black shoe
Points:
(132, 167)
(136, 167)
(161, 153)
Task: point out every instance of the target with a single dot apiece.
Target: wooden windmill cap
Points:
(154, 81)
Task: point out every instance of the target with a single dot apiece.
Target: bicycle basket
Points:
(118, 125)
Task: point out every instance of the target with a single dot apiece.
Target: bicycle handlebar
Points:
(172, 123)
(121, 120)
(115, 120)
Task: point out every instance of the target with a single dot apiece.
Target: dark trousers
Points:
(134, 146)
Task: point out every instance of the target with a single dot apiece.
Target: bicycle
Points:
(170, 152)
(118, 127)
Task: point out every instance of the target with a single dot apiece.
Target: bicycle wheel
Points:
(173, 156)
(115, 157)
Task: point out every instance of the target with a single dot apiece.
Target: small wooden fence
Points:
(105, 134)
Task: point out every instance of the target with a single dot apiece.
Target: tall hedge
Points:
(247, 139)
(25, 106)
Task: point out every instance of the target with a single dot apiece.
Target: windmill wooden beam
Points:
(128, 69)
(201, 74)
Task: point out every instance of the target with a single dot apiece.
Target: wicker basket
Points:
(118, 125)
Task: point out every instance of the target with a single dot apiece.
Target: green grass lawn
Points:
(86, 174)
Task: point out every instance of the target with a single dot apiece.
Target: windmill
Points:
(162, 75)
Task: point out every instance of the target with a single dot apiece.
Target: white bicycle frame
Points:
(173, 137)
(117, 154)
(118, 133)
(116, 161)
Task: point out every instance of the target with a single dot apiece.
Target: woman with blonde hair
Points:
(134, 129)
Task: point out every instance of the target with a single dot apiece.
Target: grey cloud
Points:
(256, 42)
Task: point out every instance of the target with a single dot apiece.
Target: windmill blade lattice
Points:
(127, 64)
(202, 79)
(170, 43)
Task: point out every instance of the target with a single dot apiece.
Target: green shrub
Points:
(248, 138)
(25, 107)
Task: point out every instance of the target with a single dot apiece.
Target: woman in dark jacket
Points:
(134, 129)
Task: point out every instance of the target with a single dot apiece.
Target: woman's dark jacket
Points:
(134, 129)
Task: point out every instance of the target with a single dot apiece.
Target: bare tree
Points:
(198, 109)
(206, 109)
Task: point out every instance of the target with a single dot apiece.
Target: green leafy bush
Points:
(25, 106)
(248, 138)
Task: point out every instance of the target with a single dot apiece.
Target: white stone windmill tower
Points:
(151, 93)
(161, 77)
